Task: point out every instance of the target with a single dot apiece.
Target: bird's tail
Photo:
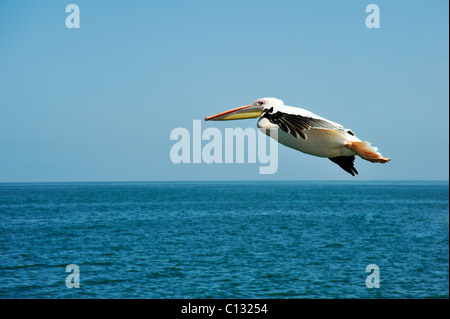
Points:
(368, 152)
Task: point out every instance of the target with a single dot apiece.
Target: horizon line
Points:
(223, 180)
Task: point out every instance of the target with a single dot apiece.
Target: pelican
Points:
(306, 132)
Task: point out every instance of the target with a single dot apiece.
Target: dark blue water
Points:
(225, 239)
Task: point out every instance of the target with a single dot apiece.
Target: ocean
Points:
(281, 240)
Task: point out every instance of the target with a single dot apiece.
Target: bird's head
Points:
(249, 111)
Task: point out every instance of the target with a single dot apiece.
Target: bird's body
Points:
(306, 132)
(321, 143)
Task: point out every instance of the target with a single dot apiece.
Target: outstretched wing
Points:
(296, 124)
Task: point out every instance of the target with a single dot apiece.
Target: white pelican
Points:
(306, 132)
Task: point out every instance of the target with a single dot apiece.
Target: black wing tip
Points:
(353, 171)
(346, 163)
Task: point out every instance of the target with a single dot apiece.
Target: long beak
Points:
(248, 111)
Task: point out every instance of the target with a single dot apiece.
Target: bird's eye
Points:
(260, 103)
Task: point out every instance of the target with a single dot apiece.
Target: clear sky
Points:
(98, 103)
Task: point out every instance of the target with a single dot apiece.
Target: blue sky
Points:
(98, 103)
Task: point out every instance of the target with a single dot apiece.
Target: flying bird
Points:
(306, 132)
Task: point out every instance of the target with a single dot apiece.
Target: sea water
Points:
(224, 239)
